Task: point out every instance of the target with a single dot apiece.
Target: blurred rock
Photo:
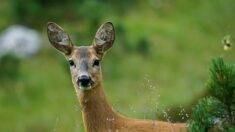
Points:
(20, 41)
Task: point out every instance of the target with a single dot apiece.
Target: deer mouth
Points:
(85, 88)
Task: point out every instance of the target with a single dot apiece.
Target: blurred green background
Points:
(157, 68)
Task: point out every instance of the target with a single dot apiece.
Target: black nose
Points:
(84, 81)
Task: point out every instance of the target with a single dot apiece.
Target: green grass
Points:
(183, 40)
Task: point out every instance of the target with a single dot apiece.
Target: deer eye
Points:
(96, 63)
(71, 63)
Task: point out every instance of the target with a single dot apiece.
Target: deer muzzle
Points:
(84, 82)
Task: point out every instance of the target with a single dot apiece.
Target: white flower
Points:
(20, 41)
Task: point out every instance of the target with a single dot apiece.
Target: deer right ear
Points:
(104, 38)
(59, 38)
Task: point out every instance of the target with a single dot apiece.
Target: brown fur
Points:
(98, 116)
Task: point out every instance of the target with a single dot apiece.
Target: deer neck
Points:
(96, 111)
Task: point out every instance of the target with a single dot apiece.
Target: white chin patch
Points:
(85, 88)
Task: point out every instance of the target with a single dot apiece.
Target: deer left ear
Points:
(59, 38)
(104, 38)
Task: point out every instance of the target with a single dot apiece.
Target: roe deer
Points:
(85, 69)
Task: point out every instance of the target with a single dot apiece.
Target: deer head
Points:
(84, 61)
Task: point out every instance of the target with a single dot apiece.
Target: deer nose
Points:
(84, 81)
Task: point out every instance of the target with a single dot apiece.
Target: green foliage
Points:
(222, 81)
(206, 114)
(9, 67)
(37, 12)
(143, 46)
(216, 113)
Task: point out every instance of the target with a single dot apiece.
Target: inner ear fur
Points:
(104, 38)
(59, 38)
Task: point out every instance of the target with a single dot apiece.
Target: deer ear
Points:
(104, 38)
(59, 38)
